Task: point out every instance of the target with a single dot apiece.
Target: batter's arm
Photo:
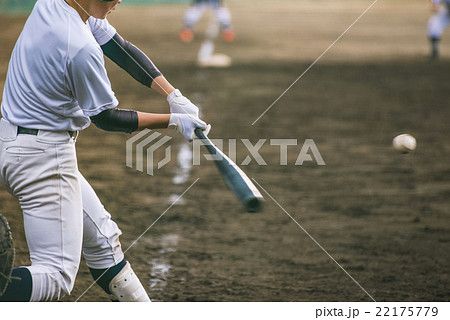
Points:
(162, 86)
(140, 67)
(137, 64)
(129, 121)
(131, 59)
(119, 120)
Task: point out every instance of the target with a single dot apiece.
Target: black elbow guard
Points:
(117, 120)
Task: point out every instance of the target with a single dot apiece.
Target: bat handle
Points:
(200, 134)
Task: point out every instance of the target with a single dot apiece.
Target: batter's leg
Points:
(41, 171)
(102, 250)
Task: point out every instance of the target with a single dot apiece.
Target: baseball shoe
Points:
(186, 35)
(6, 254)
(228, 35)
(217, 60)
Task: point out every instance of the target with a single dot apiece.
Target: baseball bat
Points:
(236, 180)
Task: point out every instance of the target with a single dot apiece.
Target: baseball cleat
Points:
(186, 35)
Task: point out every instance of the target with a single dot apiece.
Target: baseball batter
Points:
(56, 86)
(194, 13)
(437, 23)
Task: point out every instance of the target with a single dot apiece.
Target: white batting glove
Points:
(186, 124)
(180, 104)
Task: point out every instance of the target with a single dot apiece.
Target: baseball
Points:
(404, 143)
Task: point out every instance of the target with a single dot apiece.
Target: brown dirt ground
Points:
(383, 216)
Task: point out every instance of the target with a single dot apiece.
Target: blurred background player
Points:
(194, 13)
(437, 23)
(220, 21)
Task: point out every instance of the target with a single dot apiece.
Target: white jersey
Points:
(56, 77)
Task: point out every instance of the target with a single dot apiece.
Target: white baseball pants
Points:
(438, 22)
(194, 13)
(63, 216)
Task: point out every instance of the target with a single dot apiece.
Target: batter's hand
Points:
(186, 124)
(180, 104)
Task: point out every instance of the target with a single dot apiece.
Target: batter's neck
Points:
(82, 7)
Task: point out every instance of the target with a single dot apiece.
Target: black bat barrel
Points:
(236, 180)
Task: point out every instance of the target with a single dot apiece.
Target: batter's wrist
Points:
(162, 86)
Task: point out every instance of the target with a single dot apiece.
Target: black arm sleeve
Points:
(117, 120)
(131, 59)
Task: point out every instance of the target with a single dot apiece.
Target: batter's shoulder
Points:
(101, 29)
(82, 44)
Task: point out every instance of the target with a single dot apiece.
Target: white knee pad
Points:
(126, 286)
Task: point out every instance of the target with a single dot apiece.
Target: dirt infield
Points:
(382, 216)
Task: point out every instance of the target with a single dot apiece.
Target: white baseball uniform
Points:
(53, 91)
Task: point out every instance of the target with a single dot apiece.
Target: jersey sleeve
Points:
(102, 30)
(88, 81)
